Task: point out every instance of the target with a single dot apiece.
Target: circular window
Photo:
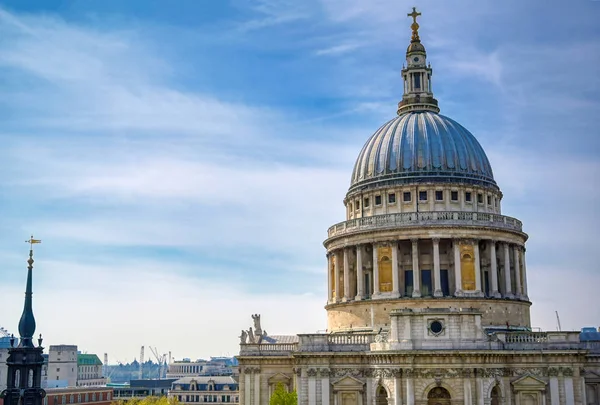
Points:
(436, 327)
(416, 59)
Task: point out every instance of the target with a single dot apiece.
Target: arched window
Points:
(30, 378)
(438, 396)
(382, 395)
(17, 383)
(495, 396)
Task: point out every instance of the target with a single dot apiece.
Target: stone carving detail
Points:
(567, 371)
(490, 372)
(436, 373)
(251, 370)
(538, 372)
(257, 328)
(396, 372)
(298, 371)
(311, 372)
(381, 338)
(324, 372)
(353, 372)
(382, 373)
(253, 336)
(552, 371)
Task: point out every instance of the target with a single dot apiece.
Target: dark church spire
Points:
(27, 322)
(25, 362)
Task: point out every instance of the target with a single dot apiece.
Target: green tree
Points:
(163, 400)
(282, 397)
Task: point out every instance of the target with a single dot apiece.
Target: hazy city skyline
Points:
(182, 164)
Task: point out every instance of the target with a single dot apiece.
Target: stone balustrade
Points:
(365, 341)
(423, 219)
(267, 349)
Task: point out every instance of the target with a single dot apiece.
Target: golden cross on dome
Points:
(415, 25)
(414, 15)
(32, 241)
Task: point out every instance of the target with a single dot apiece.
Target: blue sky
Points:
(182, 160)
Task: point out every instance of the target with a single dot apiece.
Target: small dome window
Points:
(454, 195)
(407, 196)
(468, 196)
(422, 195)
(439, 195)
(377, 200)
(392, 198)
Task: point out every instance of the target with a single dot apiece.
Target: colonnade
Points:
(467, 268)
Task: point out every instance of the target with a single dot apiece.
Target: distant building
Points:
(89, 371)
(62, 366)
(205, 389)
(79, 396)
(141, 389)
(222, 366)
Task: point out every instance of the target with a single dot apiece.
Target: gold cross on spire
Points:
(414, 15)
(414, 25)
(31, 241)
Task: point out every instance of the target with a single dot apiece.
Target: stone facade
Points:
(427, 298)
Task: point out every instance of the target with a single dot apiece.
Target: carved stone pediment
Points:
(528, 383)
(279, 378)
(591, 376)
(348, 383)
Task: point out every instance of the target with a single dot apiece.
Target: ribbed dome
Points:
(421, 146)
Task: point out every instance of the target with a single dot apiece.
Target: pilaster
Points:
(494, 269)
(457, 272)
(346, 276)
(360, 287)
(416, 270)
(436, 268)
(376, 292)
(395, 274)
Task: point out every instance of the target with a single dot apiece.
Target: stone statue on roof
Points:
(257, 328)
(243, 337)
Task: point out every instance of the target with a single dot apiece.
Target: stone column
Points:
(338, 275)
(494, 269)
(329, 280)
(360, 287)
(524, 269)
(569, 392)
(324, 386)
(457, 272)
(346, 276)
(554, 396)
(247, 398)
(256, 387)
(478, 289)
(395, 278)
(517, 252)
(312, 387)
(397, 389)
(375, 273)
(410, 394)
(437, 292)
(480, 397)
(508, 291)
(416, 271)
(468, 398)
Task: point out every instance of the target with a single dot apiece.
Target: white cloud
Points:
(116, 307)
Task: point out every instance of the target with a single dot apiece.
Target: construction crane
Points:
(558, 322)
(160, 359)
(141, 362)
